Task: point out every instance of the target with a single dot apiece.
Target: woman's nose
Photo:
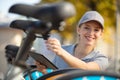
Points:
(91, 32)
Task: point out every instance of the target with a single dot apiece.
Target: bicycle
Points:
(50, 17)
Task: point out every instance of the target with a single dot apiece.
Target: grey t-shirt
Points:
(94, 56)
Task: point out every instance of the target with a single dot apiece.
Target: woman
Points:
(82, 54)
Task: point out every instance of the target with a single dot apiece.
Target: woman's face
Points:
(89, 32)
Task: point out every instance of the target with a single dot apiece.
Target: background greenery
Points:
(107, 8)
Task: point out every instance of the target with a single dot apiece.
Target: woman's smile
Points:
(89, 38)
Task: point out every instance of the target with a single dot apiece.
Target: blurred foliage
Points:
(107, 8)
(118, 5)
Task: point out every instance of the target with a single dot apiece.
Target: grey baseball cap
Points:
(91, 15)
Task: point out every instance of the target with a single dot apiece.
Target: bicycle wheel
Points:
(90, 75)
(57, 73)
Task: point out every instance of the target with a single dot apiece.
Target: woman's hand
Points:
(41, 67)
(54, 45)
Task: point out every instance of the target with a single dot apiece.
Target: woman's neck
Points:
(82, 50)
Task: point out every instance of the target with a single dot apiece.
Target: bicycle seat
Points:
(37, 26)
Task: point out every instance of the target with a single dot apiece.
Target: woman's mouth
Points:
(89, 38)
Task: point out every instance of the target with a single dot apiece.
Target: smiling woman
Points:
(91, 31)
(82, 54)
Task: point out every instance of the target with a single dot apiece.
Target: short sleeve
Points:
(99, 58)
(102, 61)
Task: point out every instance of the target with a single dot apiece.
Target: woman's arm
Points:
(77, 63)
(55, 46)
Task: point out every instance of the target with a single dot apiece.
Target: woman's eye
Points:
(86, 28)
(96, 29)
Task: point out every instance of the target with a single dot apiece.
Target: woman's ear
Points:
(78, 30)
(101, 34)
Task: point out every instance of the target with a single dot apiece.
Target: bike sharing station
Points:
(50, 17)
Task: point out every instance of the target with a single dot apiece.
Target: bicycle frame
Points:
(22, 55)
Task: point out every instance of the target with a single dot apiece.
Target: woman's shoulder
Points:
(101, 59)
(99, 54)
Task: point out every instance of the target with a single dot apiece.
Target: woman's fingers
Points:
(54, 45)
(41, 67)
(53, 41)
